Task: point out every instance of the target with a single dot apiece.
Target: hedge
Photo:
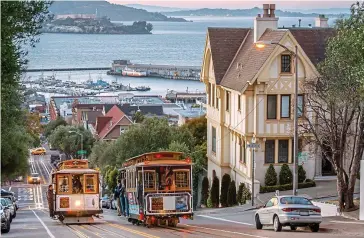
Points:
(268, 189)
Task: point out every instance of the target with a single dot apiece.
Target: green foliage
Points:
(285, 187)
(70, 143)
(270, 176)
(285, 175)
(52, 125)
(301, 174)
(20, 23)
(231, 197)
(198, 128)
(112, 178)
(215, 190)
(99, 156)
(225, 182)
(205, 191)
(138, 117)
(209, 202)
(241, 199)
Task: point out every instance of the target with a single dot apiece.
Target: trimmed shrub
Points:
(269, 189)
(225, 183)
(215, 193)
(205, 191)
(240, 198)
(301, 174)
(247, 194)
(270, 176)
(285, 175)
(231, 197)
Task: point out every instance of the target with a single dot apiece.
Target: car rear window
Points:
(295, 200)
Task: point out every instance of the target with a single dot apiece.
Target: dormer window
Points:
(285, 63)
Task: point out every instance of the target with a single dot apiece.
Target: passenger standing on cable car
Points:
(122, 198)
(117, 198)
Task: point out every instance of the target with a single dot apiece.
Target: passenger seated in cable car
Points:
(77, 185)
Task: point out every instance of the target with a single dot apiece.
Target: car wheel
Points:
(258, 224)
(315, 227)
(7, 229)
(277, 225)
(293, 228)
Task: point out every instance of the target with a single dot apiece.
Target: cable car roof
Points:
(77, 171)
(156, 157)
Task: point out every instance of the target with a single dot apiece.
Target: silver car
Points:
(292, 211)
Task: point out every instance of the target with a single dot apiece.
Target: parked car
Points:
(7, 203)
(34, 178)
(292, 211)
(6, 193)
(55, 159)
(5, 219)
(38, 151)
(106, 202)
(19, 179)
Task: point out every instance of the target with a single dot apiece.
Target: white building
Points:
(251, 92)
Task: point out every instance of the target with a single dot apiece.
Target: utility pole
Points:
(295, 139)
(253, 146)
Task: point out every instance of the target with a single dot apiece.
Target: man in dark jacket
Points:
(117, 198)
(50, 201)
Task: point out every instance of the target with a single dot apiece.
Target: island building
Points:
(250, 93)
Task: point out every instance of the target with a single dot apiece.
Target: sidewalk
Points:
(323, 189)
(235, 209)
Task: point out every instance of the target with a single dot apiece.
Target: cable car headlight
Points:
(78, 203)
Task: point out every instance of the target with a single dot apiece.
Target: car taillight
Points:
(318, 210)
(288, 209)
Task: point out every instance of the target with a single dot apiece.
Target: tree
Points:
(240, 197)
(205, 191)
(34, 128)
(70, 143)
(52, 125)
(270, 176)
(98, 152)
(231, 197)
(149, 27)
(285, 175)
(215, 190)
(112, 178)
(198, 128)
(138, 117)
(301, 174)
(225, 182)
(20, 24)
(335, 97)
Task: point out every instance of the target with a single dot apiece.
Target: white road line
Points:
(222, 219)
(232, 232)
(348, 222)
(44, 225)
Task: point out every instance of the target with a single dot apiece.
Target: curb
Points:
(349, 217)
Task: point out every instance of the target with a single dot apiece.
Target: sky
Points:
(241, 4)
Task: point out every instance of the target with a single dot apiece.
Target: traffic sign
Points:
(81, 152)
(253, 145)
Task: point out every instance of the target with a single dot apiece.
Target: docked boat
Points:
(133, 73)
(142, 88)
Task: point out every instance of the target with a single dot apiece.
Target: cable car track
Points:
(190, 231)
(77, 232)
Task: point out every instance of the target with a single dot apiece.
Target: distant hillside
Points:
(152, 8)
(239, 13)
(113, 11)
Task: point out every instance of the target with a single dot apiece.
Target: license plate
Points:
(304, 213)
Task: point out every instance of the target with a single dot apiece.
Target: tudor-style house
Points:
(250, 93)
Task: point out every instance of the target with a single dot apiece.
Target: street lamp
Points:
(261, 45)
(81, 139)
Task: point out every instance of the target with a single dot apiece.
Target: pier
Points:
(67, 69)
(159, 71)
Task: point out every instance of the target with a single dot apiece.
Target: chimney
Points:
(268, 20)
(321, 21)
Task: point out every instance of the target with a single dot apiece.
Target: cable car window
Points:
(77, 183)
(63, 184)
(182, 179)
(90, 183)
(149, 180)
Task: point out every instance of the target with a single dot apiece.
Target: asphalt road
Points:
(33, 220)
